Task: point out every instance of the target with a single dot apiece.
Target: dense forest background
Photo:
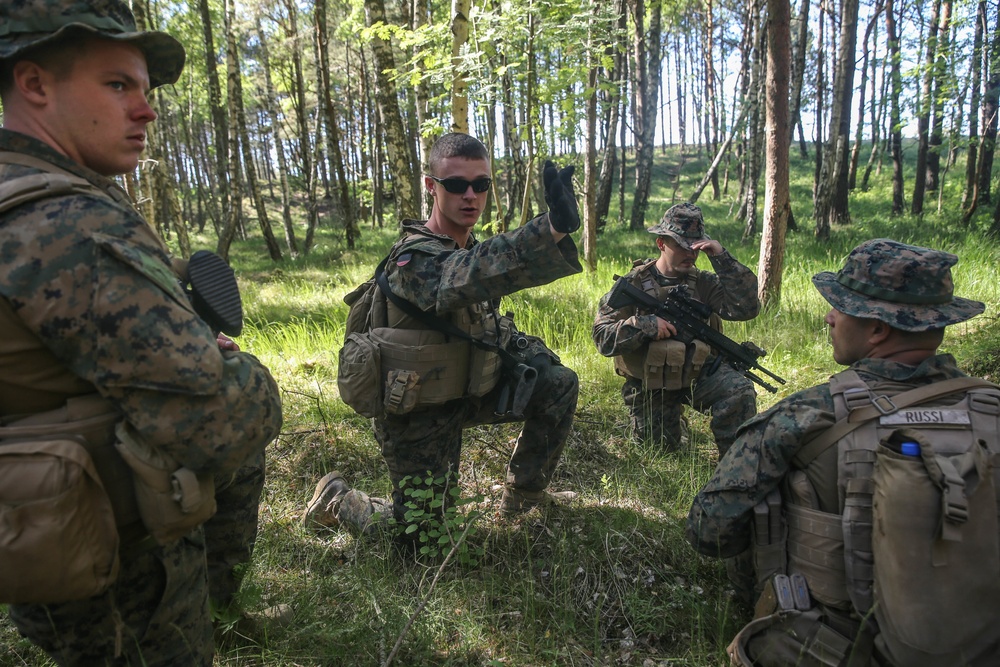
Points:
(295, 115)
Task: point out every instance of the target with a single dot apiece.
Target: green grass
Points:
(608, 580)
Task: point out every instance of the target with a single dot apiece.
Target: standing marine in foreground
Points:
(869, 502)
(663, 374)
(440, 267)
(99, 345)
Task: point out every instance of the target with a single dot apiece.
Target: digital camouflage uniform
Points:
(88, 288)
(731, 293)
(430, 271)
(720, 522)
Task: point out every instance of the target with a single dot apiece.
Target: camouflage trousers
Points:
(656, 415)
(155, 615)
(431, 441)
(230, 535)
(157, 612)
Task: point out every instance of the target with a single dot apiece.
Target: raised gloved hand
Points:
(563, 212)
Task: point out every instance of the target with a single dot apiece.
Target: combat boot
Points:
(322, 511)
(518, 501)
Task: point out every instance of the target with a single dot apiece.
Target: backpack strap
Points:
(878, 406)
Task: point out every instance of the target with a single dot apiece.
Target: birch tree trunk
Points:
(398, 148)
(923, 114)
(459, 84)
(646, 45)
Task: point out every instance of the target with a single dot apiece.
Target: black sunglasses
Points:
(458, 186)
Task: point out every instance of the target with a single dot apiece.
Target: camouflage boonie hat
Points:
(28, 23)
(905, 286)
(683, 223)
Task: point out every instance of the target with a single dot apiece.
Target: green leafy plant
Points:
(436, 520)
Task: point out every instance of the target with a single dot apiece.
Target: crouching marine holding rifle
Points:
(662, 325)
(689, 316)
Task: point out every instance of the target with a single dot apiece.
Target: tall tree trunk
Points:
(421, 11)
(610, 161)
(710, 94)
(234, 223)
(852, 173)
(336, 156)
(220, 132)
(895, 127)
(590, 151)
(936, 102)
(776, 197)
(831, 202)
(924, 102)
(646, 45)
(271, 105)
(977, 79)
(240, 126)
(398, 147)
(459, 84)
(991, 106)
(798, 73)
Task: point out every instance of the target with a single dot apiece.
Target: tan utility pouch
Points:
(359, 375)
(58, 540)
(172, 499)
(420, 368)
(665, 364)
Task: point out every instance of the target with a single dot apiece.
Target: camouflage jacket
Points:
(731, 292)
(431, 271)
(91, 302)
(719, 523)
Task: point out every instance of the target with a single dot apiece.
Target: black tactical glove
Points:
(563, 213)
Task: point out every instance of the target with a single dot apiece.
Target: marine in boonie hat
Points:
(29, 23)
(907, 287)
(683, 223)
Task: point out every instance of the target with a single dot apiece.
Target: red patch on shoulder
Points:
(404, 259)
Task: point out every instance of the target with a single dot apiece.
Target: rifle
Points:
(210, 285)
(688, 316)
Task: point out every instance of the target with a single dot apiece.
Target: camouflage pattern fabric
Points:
(28, 23)
(428, 270)
(92, 285)
(683, 223)
(431, 440)
(725, 394)
(729, 397)
(231, 533)
(155, 615)
(908, 287)
(719, 523)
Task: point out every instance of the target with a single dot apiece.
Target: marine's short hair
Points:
(456, 144)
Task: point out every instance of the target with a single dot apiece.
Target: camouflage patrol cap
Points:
(683, 223)
(905, 286)
(28, 23)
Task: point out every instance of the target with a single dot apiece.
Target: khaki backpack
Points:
(915, 552)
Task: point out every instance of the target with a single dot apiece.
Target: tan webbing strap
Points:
(859, 417)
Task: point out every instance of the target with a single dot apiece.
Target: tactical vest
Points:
(851, 506)
(665, 364)
(426, 363)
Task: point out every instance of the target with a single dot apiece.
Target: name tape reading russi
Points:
(926, 416)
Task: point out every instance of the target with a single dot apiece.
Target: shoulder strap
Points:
(433, 321)
(52, 181)
(884, 405)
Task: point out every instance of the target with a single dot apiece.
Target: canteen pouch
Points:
(58, 540)
(172, 500)
(934, 535)
(359, 374)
